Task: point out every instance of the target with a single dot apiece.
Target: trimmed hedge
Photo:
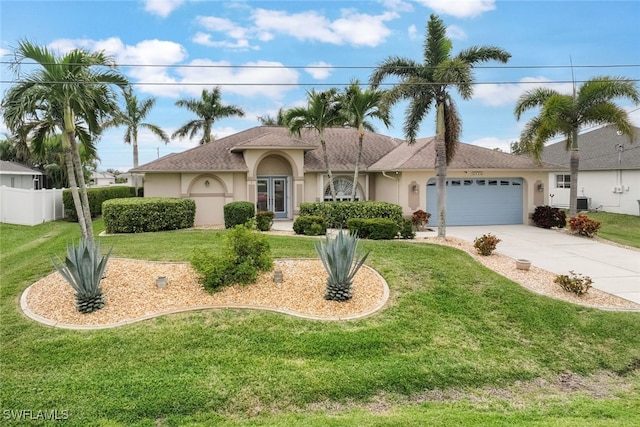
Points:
(338, 213)
(310, 225)
(264, 220)
(238, 213)
(96, 196)
(137, 215)
(373, 228)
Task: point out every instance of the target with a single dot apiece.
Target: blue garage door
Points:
(485, 201)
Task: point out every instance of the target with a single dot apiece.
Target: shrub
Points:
(486, 244)
(337, 213)
(83, 269)
(341, 260)
(420, 219)
(310, 225)
(136, 215)
(406, 229)
(264, 220)
(244, 254)
(373, 228)
(96, 197)
(548, 217)
(238, 213)
(584, 225)
(576, 283)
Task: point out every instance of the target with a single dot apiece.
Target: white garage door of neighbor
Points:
(478, 201)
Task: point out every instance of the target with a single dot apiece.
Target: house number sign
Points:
(476, 173)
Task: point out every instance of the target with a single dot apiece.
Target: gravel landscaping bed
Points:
(132, 294)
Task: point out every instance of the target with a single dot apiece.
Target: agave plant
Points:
(84, 268)
(342, 260)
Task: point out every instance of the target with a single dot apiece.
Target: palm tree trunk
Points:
(574, 165)
(357, 168)
(83, 187)
(441, 172)
(326, 164)
(73, 186)
(134, 177)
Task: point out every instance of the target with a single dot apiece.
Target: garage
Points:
(478, 201)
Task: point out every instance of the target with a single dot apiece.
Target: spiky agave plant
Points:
(84, 268)
(342, 260)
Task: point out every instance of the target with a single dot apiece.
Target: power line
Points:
(315, 84)
(337, 67)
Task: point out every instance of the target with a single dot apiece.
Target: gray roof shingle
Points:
(380, 153)
(599, 150)
(12, 168)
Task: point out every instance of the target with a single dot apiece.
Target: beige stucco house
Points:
(278, 171)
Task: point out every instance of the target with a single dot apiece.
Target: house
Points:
(102, 178)
(278, 171)
(609, 172)
(15, 175)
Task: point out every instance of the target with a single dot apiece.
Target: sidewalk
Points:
(613, 269)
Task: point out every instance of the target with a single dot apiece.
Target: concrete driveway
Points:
(613, 269)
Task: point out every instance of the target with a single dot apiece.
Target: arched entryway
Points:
(273, 185)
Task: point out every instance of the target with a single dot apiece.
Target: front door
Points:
(272, 195)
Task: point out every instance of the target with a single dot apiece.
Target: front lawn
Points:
(457, 345)
(619, 228)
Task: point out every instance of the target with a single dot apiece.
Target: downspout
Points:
(397, 180)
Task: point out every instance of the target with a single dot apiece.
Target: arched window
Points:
(343, 188)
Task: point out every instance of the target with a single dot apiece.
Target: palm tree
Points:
(72, 95)
(427, 84)
(132, 117)
(322, 112)
(208, 108)
(278, 120)
(561, 114)
(357, 106)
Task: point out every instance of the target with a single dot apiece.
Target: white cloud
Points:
(321, 73)
(4, 52)
(508, 93)
(456, 33)
(259, 78)
(205, 40)
(397, 5)
(412, 31)
(162, 8)
(352, 28)
(459, 8)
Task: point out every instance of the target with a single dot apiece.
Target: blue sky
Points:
(325, 44)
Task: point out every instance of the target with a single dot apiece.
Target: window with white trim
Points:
(343, 187)
(563, 181)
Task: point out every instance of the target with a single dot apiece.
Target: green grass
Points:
(451, 325)
(619, 228)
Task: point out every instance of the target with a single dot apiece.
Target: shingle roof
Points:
(380, 153)
(12, 168)
(599, 150)
(422, 155)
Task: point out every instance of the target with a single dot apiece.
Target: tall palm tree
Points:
(427, 84)
(208, 109)
(278, 120)
(70, 94)
(132, 116)
(322, 112)
(357, 107)
(562, 114)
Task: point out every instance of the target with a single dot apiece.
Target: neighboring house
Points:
(277, 171)
(15, 175)
(102, 178)
(609, 175)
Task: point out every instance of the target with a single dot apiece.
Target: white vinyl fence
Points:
(30, 207)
